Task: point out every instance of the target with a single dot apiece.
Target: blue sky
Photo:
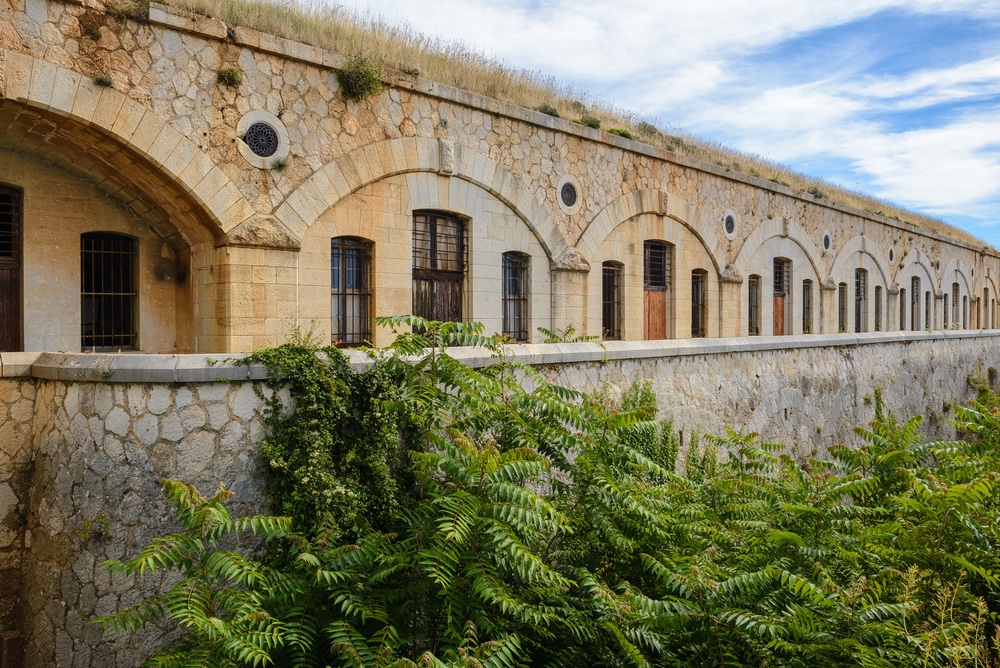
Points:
(896, 98)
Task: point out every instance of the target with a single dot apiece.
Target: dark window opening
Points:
(915, 321)
(350, 291)
(108, 291)
(807, 306)
(860, 300)
(699, 303)
(438, 266)
(753, 307)
(515, 296)
(611, 300)
(10, 269)
(878, 308)
(842, 307)
(657, 265)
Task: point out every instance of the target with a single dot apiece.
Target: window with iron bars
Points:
(842, 307)
(860, 300)
(108, 291)
(657, 265)
(438, 266)
(955, 315)
(753, 305)
(878, 308)
(515, 295)
(699, 303)
(10, 269)
(807, 306)
(350, 291)
(611, 300)
(915, 321)
(902, 310)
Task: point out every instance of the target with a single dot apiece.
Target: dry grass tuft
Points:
(402, 48)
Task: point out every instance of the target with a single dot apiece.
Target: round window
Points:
(730, 225)
(827, 241)
(262, 139)
(892, 255)
(568, 194)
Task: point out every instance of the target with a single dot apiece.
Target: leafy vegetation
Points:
(229, 76)
(498, 520)
(360, 78)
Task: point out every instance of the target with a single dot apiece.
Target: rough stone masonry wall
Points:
(106, 429)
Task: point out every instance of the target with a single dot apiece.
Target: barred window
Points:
(878, 308)
(955, 315)
(807, 306)
(753, 307)
(611, 300)
(902, 310)
(350, 291)
(438, 266)
(915, 321)
(860, 300)
(699, 303)
(108, 291)
(842, 307)
(10, 227)
(10, 269)
(515, 295)
(657, 265)
(928, 323)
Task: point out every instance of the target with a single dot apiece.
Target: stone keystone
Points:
(829, 283)
(446, 162)
(571, 260)
(263, 232)
(731, 275)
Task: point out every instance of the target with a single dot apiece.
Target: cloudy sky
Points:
(897, 98)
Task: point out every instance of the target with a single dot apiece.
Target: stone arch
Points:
(916, 265)
(778, 227)
(348, 173)
(956, 271)
(151, 166)
(653, 201)
(916, 258)
(860, 244)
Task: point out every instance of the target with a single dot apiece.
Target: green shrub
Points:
(360, 78)
(621, 133)
(103, 80)
(548, 109)
(229, 76)
(589, 121)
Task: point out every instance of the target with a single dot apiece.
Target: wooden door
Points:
(10, 309)
(655, 314)
(779, 315)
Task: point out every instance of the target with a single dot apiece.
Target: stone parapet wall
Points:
(96, 434)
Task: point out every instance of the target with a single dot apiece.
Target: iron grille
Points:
(10, 228)
(754, 305)
(954, 304)
(350, 294)
(657, 265)
(878, 308)
(611, 304)
(515, 296)
(108, 291)
(860, 300)
(782, 277)
(915, 304)
(699, 309)
(902, 310)
(262, 139)
(438, 266)
(807, 306)
(842, 307)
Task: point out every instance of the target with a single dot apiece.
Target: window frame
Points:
(341, 291)
(439, 293)
(515, 272)
(753, 305)
(122, 303)
(699, 304)
(612, 287)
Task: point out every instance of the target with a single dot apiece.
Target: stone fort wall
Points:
(235, 249)
(90, 436)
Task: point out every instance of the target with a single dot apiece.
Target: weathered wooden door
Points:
(779, 315)
(10, 269)
(655, 310)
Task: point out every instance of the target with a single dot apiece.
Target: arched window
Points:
(842, 307)
(915, 323)
(955, 313)
(350, 291)
(860, 300)
(657, 274)
(611, 300)
(10, 269)
(807, 306)
(878, 308)
(781, 313)
(753, 305)
(108, 291)
(515, 295)
(902, 310)
(699, 303)
(438, 266)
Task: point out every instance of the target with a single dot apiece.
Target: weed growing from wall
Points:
(360, 78)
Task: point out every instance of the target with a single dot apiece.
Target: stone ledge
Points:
(138, 368)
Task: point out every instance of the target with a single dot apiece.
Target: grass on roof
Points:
(402, 48)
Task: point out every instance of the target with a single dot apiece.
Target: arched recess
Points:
(916, 265)
(649, 201)
(374, 162)
(617, 234)
(180, 204)
(860, 253)
(772, 239)
(491, 228)
(958, 304)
